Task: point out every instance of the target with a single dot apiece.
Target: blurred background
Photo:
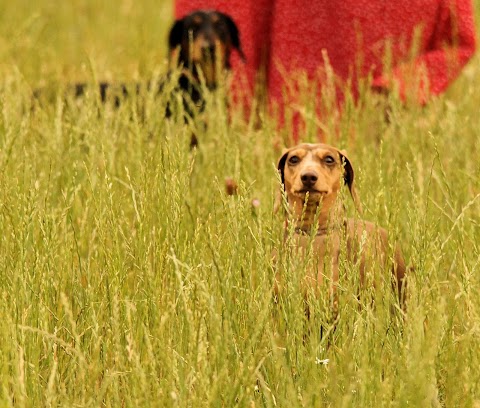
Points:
(69, 40)
(47, 41)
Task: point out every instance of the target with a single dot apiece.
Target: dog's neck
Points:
(189, 77)
(316, 217)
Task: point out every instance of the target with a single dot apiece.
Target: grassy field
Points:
(129, 278)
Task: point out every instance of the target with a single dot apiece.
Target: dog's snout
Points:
(309, 179)
(208, 50)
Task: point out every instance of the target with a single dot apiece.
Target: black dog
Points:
(200, 44)
(203, 39)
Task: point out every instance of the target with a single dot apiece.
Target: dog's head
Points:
(312, 174)
(204, 39)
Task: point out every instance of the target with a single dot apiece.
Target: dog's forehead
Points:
(315, 148)
(203, 16)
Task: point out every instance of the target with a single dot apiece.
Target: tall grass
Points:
(129, 278)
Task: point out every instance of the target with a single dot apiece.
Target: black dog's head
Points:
(203, 39)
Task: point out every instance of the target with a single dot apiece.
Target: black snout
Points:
(208, 51)
(309, 179)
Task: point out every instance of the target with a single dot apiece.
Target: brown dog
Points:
(312, 175)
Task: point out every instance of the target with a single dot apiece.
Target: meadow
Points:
(128, 277)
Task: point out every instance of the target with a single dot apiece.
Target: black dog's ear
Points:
(176, 34)
(234, 35)
(349, 177)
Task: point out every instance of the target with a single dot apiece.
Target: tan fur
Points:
(313, 175)
(208, 63)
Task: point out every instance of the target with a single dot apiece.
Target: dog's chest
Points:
(320, 253)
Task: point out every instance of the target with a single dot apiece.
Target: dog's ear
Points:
(281, 165)
(281, 171)
(234, 35)
(349, 177)
(176, 34)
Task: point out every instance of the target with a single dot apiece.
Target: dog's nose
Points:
(208, 50)
(309, 179)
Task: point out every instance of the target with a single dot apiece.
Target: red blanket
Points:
(427, 42)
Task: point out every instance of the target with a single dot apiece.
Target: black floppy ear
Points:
(281, 166)
(349, 177)
(234, 35)
(176, 34)
(281, 171)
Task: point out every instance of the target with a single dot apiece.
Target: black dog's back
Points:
(196, 42)
(106, 90)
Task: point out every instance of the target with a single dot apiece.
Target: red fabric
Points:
(354, 35)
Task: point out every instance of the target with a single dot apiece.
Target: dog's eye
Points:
(197, 20)
(329, 160)
(294, 160)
